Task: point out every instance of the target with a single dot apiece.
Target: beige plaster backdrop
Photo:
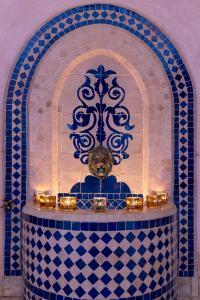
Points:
(53, 97)
(178, 19)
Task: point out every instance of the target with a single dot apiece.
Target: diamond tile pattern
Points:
(93, 265)
(30, 294)
(18, 89)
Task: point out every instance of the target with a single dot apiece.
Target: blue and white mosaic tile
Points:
(101, 117)
(169, 294)
(16, 120)
(93, 262)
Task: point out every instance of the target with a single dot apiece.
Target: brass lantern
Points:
(67, 203)
(134, 203)
(99, 204)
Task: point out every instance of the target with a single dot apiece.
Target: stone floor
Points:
(185, 298)
(179, 298)
(188, 288)
(10, 298)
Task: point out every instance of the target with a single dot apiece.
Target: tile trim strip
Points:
(47, 295)
(98, 226)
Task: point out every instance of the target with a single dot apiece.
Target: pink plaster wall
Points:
(179, 19)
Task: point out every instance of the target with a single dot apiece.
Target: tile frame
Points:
(16, 120)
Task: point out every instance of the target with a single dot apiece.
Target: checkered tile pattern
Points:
(170, 294)
(98, 265)
(16, 114)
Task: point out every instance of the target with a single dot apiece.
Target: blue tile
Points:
(52, 223)
(112, 226)
(84, 226)
(102, 226)
(59, 224)
(121, 225)
(67, 225)
(76, 226)
(93, 226)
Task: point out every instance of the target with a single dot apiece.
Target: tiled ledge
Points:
(81, 215)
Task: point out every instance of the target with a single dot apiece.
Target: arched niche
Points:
(17, 108)
(53, 96)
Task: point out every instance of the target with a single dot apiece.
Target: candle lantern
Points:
(67, 203)
(152, 201)
(37, 198)
(134, 203)
(99, 204)
(162, 197)
(45, 200)
(50, 201)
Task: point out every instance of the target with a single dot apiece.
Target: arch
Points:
(16, 119)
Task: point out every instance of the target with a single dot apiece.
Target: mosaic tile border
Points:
(164, 293)
(99, 226)
(16, 120)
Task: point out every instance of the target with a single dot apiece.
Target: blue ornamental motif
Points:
(89, 117)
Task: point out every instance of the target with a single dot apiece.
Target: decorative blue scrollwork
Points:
(99, 115)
